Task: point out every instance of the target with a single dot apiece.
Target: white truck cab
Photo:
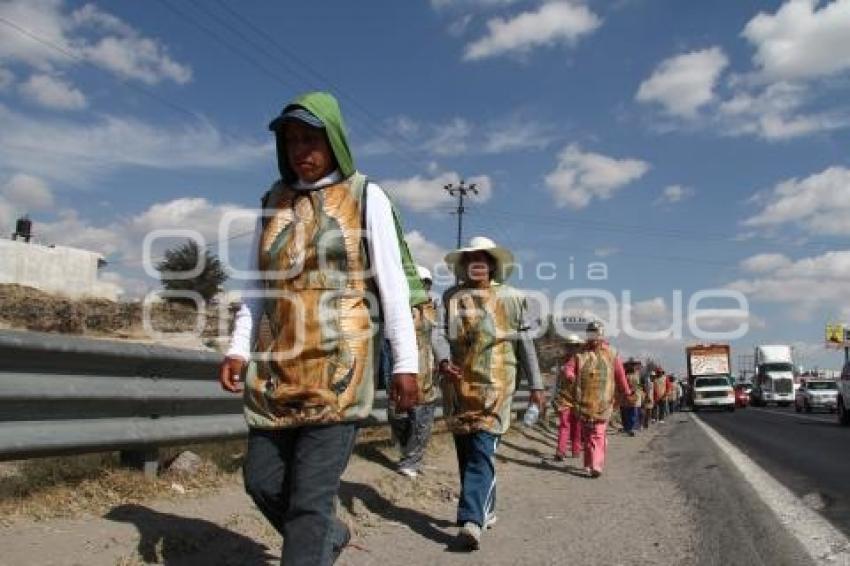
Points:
(773, 381)
(713, 391)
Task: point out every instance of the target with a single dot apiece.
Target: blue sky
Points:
(686, 145)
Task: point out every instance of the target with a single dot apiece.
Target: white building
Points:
(60, 270)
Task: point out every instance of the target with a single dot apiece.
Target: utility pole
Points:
(460, 192)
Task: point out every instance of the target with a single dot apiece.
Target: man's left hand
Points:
(538, 397)
(404, 393)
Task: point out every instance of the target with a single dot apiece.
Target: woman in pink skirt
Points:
(596, 372)
(569, 429)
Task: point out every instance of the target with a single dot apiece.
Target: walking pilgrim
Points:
(483, 339)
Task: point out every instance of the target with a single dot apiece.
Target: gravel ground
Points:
(634, 514)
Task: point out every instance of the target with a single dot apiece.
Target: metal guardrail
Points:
(71, 395)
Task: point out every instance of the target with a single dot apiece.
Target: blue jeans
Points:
(412, 431)
(476, 460)
(293, 476)
(631, 417)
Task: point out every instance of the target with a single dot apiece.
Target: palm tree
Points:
(184, 259)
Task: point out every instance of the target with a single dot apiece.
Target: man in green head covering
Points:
(332, 275)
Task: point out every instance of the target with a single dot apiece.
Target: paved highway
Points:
(734, 525)
(808, 453)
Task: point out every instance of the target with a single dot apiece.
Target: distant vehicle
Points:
(709, 379)
(774, 376)
(816, 394)
(742, 395)
(844, 396)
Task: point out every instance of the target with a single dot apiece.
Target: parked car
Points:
(816, 394)
(742, 395)
(844, 396)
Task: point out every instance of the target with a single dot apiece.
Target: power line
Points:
(318, 75)
(393, 144)
(64, 51)
(126, 83)
(594, 225)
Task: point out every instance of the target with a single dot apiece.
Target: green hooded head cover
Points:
(325, 107)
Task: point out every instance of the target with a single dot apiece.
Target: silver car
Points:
(816, 394)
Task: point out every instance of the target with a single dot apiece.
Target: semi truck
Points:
(709, 377)
(773, 376)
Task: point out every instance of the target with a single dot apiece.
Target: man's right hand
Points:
(230, 374)
(450, 370)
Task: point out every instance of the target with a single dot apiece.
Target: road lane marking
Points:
(794, 415)
(824, 543)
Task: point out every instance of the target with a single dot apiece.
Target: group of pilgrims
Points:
(340, 297)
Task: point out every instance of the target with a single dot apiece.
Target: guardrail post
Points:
(146, 459)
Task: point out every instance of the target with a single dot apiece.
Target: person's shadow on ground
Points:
(183, 541)
(424, 525)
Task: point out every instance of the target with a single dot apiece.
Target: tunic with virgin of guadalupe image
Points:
(597, 372)
(424, 322)
(485, 334)
(326, 253)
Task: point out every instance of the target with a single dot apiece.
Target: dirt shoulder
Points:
(547, 515)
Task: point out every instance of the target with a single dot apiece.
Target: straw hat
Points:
(503, 258)
(424, 273)
(595, 328)
(574, 340)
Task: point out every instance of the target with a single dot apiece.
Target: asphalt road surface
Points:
(808, 453)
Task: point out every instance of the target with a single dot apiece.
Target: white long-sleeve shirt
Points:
(385, 254)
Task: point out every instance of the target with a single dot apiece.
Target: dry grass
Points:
(31, 309)
(92, 484)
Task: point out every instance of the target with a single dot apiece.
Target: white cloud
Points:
(27, 191)
(675, 193)
(70, 229)
(803, 285)
(551, 24)
(818, 204)
(764, 263)
(684, 83)
(459, 136)
(517, 134)
(22, 194)
(87, 33)
(803, 39)
(775, 113)
(451, 138)
(426, 252)
(139, 58)
(41, 17)
(194, 212)
(92, 16)
(120, 238)
(426, 194)
(53, 92)
(582, 176)
(459, 26)
(75, 152)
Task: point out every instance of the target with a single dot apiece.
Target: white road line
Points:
(794, 415)
(823, 542)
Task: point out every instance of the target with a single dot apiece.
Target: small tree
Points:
(183, 259)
